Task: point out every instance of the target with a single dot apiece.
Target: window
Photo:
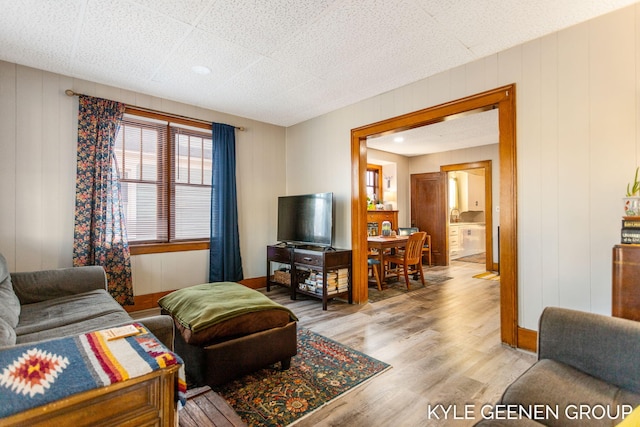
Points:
(374, 183)
(165, 177)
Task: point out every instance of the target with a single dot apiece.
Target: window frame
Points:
(141, 248)
(377, 169)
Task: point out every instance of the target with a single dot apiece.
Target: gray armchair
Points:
(587, 364)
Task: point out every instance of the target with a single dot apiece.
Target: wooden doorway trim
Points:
(504, 99)
(488, 199)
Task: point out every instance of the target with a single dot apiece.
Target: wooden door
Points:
(429, 212)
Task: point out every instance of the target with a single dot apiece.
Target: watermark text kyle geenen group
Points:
(534, 412)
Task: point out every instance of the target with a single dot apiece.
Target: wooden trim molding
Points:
(527, 339)
(504, 98)
(255, 283)
(149, 301)
(156, 248)
(488, 196)
(145, 302)
(380, 184)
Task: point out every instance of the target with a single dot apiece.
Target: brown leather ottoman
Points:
(253, 332)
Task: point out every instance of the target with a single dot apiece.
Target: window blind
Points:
(165, 176)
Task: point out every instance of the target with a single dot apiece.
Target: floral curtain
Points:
(100, 235)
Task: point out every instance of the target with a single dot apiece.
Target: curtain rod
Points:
(70, 92)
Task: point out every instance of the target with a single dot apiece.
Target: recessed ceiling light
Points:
(200, 69)
(398, 139)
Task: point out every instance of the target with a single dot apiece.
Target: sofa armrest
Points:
(37, 286)
(601, 346)
(161, 326)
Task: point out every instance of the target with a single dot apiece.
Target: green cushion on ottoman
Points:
(213, 310)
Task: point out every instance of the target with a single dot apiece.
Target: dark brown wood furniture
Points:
(146, 400)
(279, 255)
(327, 263)
(301, 261)
(626, 282)
(375, 218)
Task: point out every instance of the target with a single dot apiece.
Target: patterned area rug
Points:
(322, 370)
(394, 289)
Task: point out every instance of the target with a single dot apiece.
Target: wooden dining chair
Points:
(410, 260)
(426, 248)
(406, 231)
(374, 265)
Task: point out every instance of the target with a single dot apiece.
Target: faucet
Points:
(455, 215)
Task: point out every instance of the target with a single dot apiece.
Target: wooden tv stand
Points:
(305, 259)
(146, 400)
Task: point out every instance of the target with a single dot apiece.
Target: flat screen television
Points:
(306, 219)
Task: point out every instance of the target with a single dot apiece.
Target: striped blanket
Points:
(39, 373)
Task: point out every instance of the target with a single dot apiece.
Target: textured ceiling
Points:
(458, 132)
(277, 61)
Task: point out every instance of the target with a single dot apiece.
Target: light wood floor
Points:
(442, 341)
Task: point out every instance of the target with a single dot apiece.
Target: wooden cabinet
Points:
(453, 241)
(147, 400)
(375, 218)
(626, 282)
(279, 261)
(322, 274)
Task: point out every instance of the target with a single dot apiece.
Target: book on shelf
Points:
(337, 281)
(630, 236)
(338, 289)
(631, 222)
(343, 272)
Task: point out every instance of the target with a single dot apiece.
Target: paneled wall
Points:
(38, 124)
(577, 146)
(578, 143)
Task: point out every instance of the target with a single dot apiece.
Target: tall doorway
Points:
(484, 168)
(433, 210)
(504, 100)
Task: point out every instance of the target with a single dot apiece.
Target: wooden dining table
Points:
(381, 243)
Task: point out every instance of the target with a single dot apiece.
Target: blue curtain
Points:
(225, 263)
(100, 236)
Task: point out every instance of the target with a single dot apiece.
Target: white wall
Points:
(432, 163)
(401, 182)
(38, 124)
(578, 144)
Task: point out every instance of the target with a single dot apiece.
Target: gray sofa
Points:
(587, 373)
(48, 304)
